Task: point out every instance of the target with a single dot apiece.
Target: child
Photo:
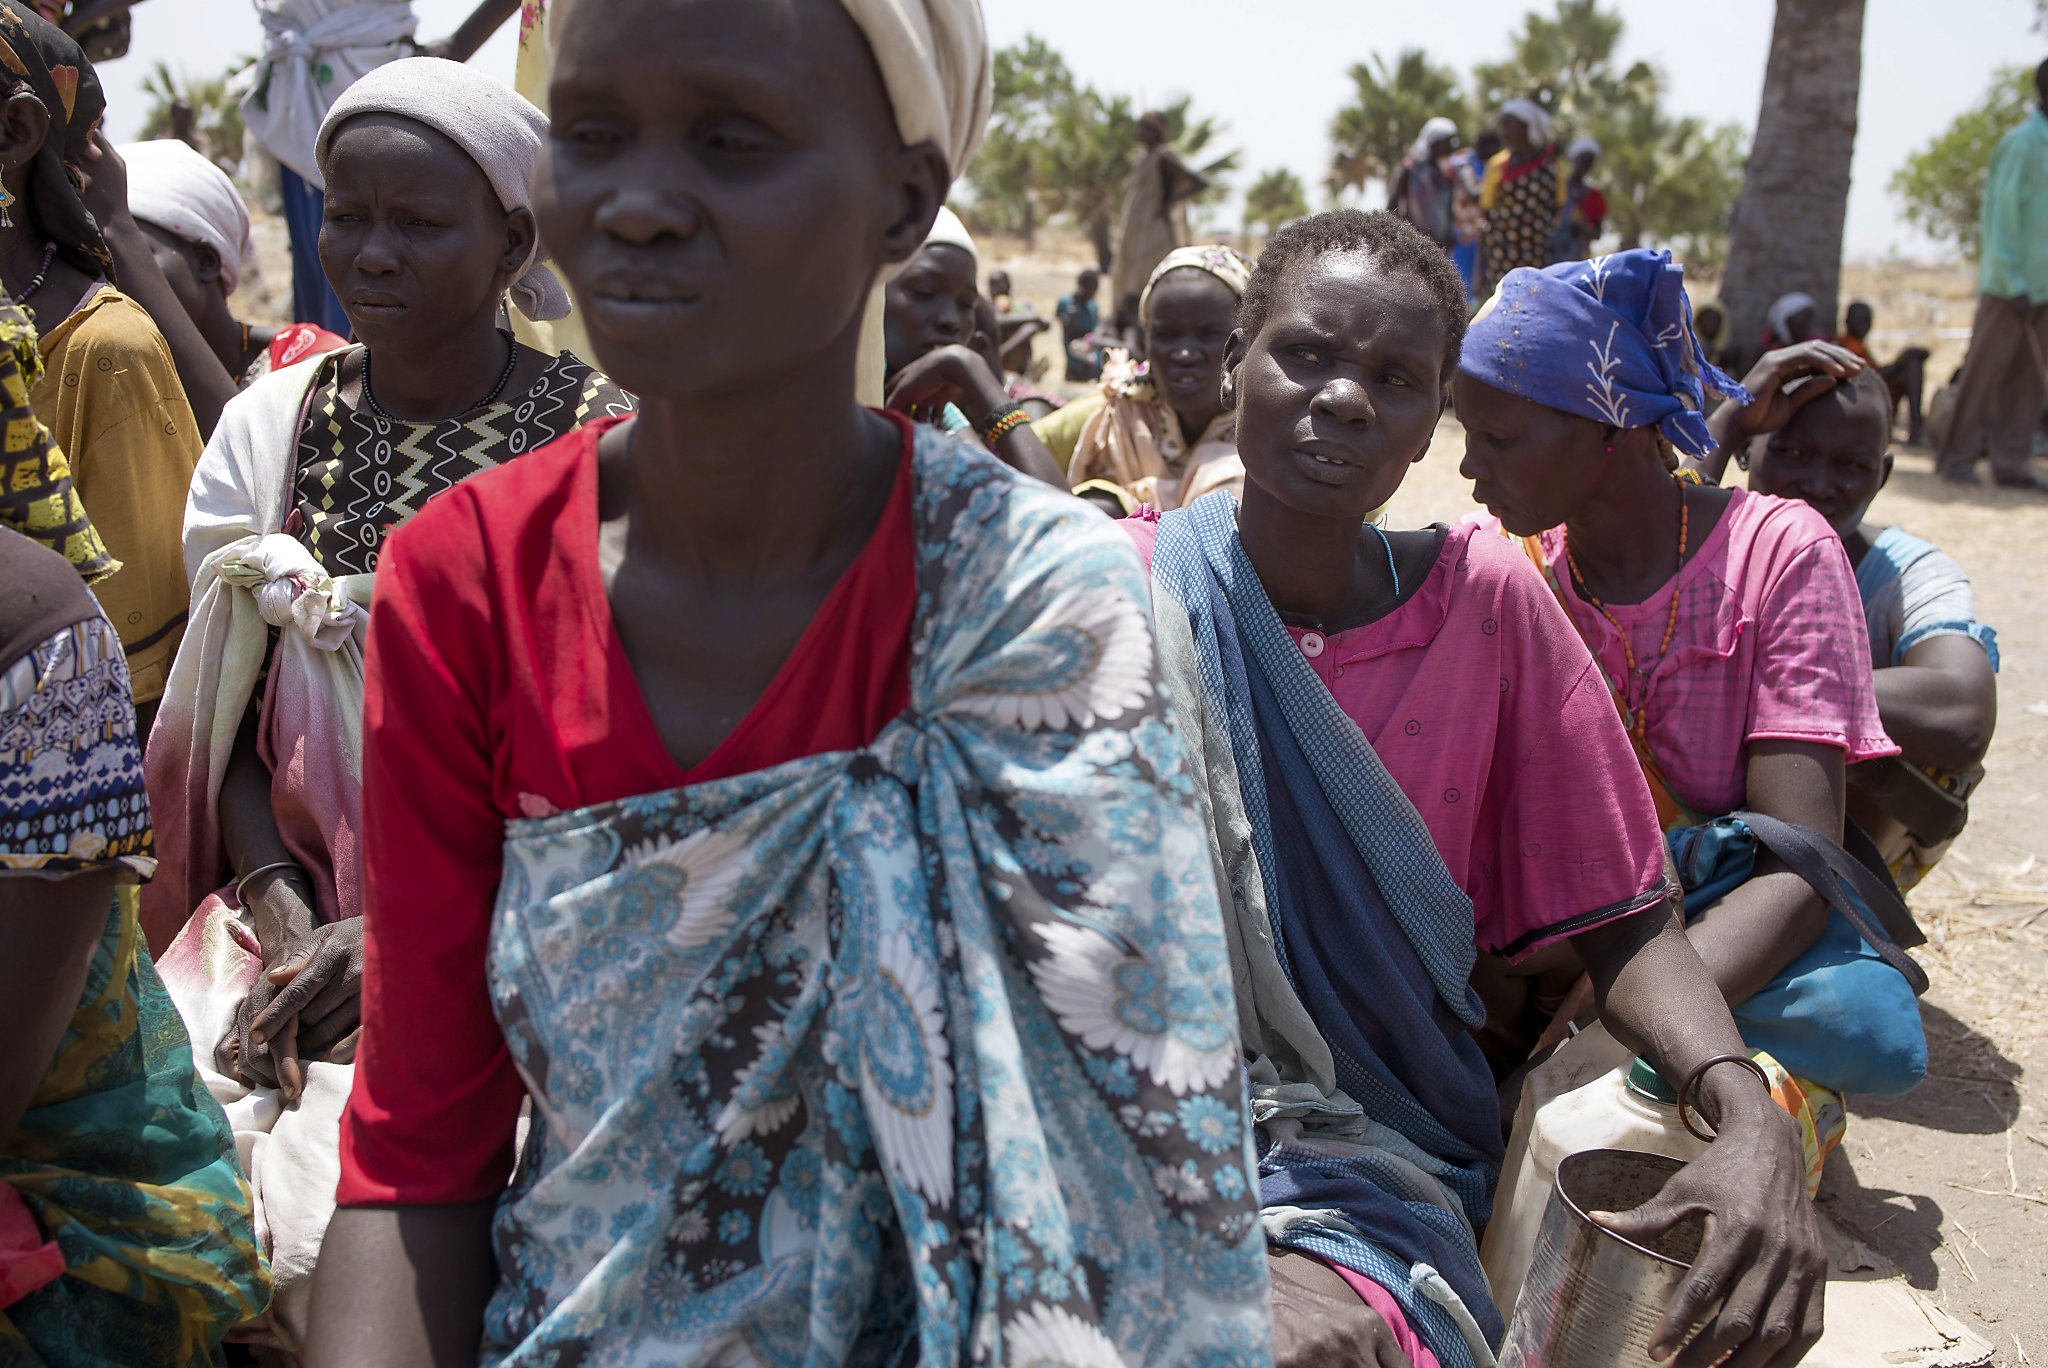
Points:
(1079, 316)
(779, 794)
(1934, 664)
(1408, 758)
(1905, 379)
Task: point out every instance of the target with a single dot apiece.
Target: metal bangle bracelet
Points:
(1687, 1111)
(258, 872)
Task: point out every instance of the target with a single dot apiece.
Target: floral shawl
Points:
(931, 1053)
(1134, 441)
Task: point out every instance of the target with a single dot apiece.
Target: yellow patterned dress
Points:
(36, 494)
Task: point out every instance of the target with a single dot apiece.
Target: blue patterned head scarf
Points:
(1609, 339)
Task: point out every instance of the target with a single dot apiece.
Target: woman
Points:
(853, 942)
(120, 1241)
(1521, 194)
(109, 392)
(1583, 212)
(1726, 623)
(254, 768)
(935, 372)
(1406, 758)
(1793, 318)
(313, 51)
(37, 497)
(1934, 665)
(1425, 189)
(198, 230)
(1162, 430)
(1154, 217)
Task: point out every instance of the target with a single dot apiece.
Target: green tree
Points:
(1086, 157)
(1275, 198)
(1030, 79)
(1563, 61)
(1090, 146)
(1666, 178)
(1056, 146)
(217, 114)
(1941, 187)
(1389, 105)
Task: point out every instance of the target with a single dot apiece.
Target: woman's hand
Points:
(1770, 407)
(106, 181)
(949, 375)
(281, 905)
(1319, 1322)
(317, 1006)
(1762, 1258)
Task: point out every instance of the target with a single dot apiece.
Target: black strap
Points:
(1826, 867)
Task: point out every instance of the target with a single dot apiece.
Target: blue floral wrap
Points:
(920, 1053)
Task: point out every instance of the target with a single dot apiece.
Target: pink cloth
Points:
(28, 1262)
(315, 795)
(1770, 646)
(1382, 1301)
(1484, 706)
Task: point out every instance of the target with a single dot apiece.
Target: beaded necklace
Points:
(1635, 718)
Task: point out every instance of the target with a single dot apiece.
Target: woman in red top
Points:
(780, 797)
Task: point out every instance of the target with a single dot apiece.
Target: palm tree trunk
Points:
(1787, 230)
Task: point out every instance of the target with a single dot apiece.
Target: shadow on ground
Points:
(1904, 1226)
(1971, 1087)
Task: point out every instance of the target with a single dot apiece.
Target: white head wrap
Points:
(949, 231)
(1580, 146)
(1782, 311)
(1531, 114)
(501, 132)
(1432, 131)
(180, 191)
(934, 58)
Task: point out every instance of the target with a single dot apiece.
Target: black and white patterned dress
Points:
(358, 477)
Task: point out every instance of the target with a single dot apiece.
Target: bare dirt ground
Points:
(1951, 1181)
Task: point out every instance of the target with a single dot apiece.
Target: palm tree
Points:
(1389, 105)
(1787, 233)
(217, 114)
(1276, 198)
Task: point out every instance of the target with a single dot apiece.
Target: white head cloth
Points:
(1533, 116)
(1782, 311)
(934, 58)
(949, 231)
(1581, 146)
(1433, 131)
(180, 191)
(312, 51)
(501, 131)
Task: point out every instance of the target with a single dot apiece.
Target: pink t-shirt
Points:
(1770, 646)
(1484, 706)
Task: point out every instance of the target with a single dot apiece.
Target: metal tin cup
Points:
(1593, 1299)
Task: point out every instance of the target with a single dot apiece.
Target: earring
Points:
(6, 200)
